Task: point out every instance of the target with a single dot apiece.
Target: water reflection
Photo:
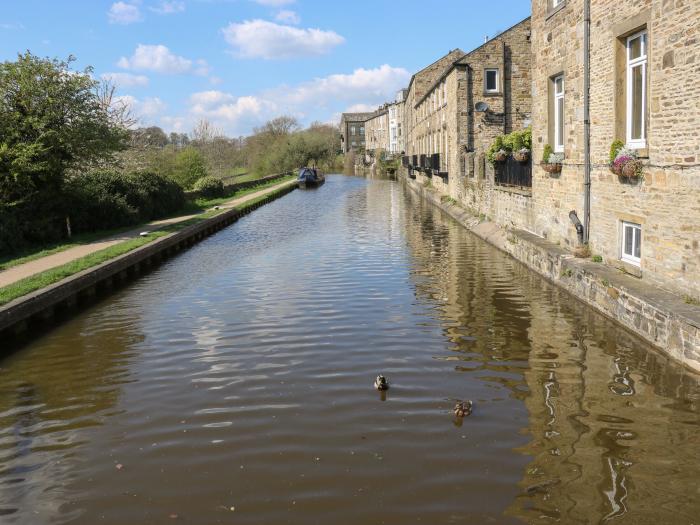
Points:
(239, 374)
(613, 423)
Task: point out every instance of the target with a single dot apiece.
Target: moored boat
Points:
(310, 178)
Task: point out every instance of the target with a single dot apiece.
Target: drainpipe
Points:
(586, 120)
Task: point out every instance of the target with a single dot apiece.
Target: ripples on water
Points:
(239, 375)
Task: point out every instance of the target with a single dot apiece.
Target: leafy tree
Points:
(189, 167)
(52, 121)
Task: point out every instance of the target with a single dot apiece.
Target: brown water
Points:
(234, 385)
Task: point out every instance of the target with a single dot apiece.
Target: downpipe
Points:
(586, 124)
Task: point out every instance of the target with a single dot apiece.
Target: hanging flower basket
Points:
(551, 167)
(632, 169)
(500, 156)
(522, 155)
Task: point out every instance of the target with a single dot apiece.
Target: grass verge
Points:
(196, 206)
(49, 277)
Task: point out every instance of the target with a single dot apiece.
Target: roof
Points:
(463, 60)
(430, 65)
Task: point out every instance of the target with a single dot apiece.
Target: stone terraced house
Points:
(377, 130)
(480, 95)
(352, 131)
(644, 69)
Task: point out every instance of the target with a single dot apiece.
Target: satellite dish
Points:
(481, 107)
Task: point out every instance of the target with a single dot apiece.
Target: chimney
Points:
(486, 39)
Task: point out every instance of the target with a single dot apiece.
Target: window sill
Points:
(627, 267)
(493, 93)
(551, 11)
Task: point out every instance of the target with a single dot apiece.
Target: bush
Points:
(104, 200)
(189, 167)
(27, 223)
(209, 187)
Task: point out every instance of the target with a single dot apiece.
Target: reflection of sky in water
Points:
(240, 371)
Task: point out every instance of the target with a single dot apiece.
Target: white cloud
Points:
(287, 17)
(360, 108)
(322, 99)
(160, 59)
(11, 26)
(124, 13)
(125, 79)
(169, 7)
(148, 108)
(274, 3)
(263, 39)
(362, 86)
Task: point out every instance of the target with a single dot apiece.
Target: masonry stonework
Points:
(665, 200)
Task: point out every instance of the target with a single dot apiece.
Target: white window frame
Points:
(636, 240)
(558, 118)
(641, 61)
(444, 93)
(556, 3)
(486, 83)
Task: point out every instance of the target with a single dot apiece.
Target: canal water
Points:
(233, 384)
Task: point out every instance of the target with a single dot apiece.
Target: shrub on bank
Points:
(104, 200)
(209, 187)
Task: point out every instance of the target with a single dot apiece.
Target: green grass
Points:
(191, 207)
(49, 277)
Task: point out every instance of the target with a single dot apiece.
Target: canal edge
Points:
(41, 305)
(659, 317)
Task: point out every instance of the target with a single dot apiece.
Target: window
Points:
(556, 3)
(444, 93)
(636, 90)
(558, 113)
(491, 81)
(362, 130)
(352, 130)
(631, 242)
(354, 143)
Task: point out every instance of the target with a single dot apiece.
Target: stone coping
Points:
(39, 302)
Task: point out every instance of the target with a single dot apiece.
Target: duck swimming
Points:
(463, 408)
(381, 383)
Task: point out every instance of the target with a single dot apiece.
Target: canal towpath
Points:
(36, 266)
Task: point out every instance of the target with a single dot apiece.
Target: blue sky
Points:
(239, 63)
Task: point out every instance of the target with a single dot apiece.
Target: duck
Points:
(463, 408)
(381, 383)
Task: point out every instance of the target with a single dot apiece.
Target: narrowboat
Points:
(310, 178)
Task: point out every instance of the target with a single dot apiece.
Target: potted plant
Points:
(522, 155)
(500, 156)
(551, 162)
(624, 162)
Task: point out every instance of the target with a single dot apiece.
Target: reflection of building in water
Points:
(613, 424)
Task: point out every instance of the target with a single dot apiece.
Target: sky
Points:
(239, 63)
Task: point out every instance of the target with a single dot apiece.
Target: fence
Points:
(513, 173)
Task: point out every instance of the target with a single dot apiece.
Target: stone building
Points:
(417, 88)
(644, 68)
(450, 131)
(396, 131)
(352, 131)
(377, 130)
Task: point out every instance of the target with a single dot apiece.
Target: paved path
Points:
(14, 274)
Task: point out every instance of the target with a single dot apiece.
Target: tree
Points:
(52, 121)
(189, 167)
(151, 137)
(278, 127)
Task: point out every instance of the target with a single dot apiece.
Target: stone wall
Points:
(666, 201)
(659, 317)
(377, 132)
